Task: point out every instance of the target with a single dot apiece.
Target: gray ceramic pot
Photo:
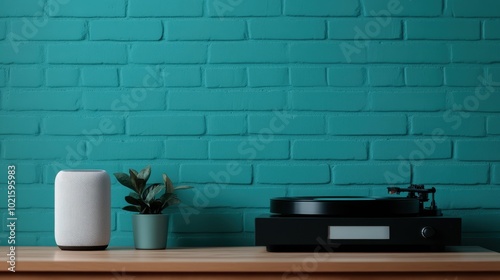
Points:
(150, 231)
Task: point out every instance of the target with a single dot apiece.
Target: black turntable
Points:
(353, 223)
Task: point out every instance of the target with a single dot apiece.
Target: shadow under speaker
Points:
(82, 209)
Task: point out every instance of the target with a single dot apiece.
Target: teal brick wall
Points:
(251, 99)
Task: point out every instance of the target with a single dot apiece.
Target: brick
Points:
(329, 150)
(250, 149)
(87, 8)
(41, 149)
(226, 125)
(477, 150)
(443, 29)
(3, 30)
(24, 100)
(328, 100)
(493, 125)
(229, 173)
(402, 8)
(495, 174)
(205, 30)
(39, 220)
(176, 52)
(30, 173)
(424, 76)
(268, 77)
(415, 150)
(363, 29)
(409, 52)
(16, 124)
(255, 8)
(17, 52)
(3, 77)
(286, 124)
(225, 77)
(186, 149)
(329, 191)
(408, 100)
(248, 52)
(62, 77)
(459, 197)
(124, 100)
(367, 125)
(50, 30)
(30, 197)
(87, 53)
(451, 174)
(21, 8)
(475, 52)
(165, 8)
(182, 76)
(99, 77)
(492, 76)
(491, 29)
(142, 77)
(83, 125)
(307, 76)
(448, 124)
(346, 76)
(231, 196)
(166, 125)
(208, 222)
(482, 8)
(322, 8)
(293, 174)
(327, 52)
(226, 101)
(294, 29)
(115, 150)
(385, 76)
(26, 77)
(370, 173)
(462, 75)
(480, 222)
(128, 30)
(482, 100)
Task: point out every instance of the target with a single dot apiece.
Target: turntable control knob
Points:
(428, 232)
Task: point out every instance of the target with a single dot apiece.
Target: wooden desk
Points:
(247, 263)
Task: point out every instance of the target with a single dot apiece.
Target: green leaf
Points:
(133, 179)
(168, 184)
(131, 208)
(156, 206)
(153, 191)
(132, 200)
(124, 179)
(145, 173)
(134, 171)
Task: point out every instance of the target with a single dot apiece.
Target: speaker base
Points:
(83, 248)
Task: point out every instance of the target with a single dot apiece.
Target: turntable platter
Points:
(345, 206)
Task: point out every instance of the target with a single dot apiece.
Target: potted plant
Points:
(150, 226)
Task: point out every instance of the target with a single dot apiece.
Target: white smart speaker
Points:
(82, 208)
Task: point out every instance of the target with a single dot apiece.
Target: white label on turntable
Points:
(358, 232)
